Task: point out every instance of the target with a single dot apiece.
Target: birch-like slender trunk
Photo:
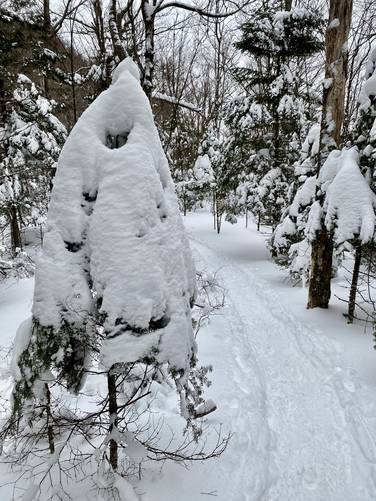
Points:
(148, 8)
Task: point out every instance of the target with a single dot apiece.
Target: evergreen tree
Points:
(31, 140)
(288, 244)
(266, 125)
(115, 276)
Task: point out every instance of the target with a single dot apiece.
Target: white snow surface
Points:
(304, 196)
(117, 210)
(368, 88)
(330, 169)
(295, 386)
(349, 202)
(312, 141)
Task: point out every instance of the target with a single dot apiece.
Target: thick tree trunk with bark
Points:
(321, 271)
(330, 137)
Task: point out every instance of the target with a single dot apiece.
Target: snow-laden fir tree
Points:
(115, 276)
(194, 185)
(30, 142)
(211, 176)
(247, 154)
(365, 138)
(365, 128)
(288, 244)
(347, 208)
(267, 125)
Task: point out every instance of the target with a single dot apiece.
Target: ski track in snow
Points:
(303, 424)
(304, 428)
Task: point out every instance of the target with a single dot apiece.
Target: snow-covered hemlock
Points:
(348, 212)
(266, 126)
(366, 123)
(115, 252)
(30, 142)
(349, 201)
(288, 243)
(198, 183)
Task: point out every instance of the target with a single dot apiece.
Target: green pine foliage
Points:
(266, 125)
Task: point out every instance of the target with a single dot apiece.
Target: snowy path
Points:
(303, 420)
(304, 427)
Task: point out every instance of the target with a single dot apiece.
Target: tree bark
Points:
(119, 51)
(321, 270)
(47, 29)
(148, 15)
(214, 211)
(50, 430)
(73, 84)
(112, 410)
(15, 229)
(354, 284)
(330, 136)
(3, 107)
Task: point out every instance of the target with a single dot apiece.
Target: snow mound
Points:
(349, 202)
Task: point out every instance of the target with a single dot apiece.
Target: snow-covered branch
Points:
(178, 102)
(198, 10)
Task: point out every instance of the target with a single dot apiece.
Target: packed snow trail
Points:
(303, 420)
(304, 427)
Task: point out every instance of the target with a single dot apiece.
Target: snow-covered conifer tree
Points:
(365, 128)
(213, 176)
(30, 142)
(266, 126)
(194, 185)
(116, 274)
(288, 244)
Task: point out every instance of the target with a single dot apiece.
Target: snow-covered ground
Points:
(295, 387)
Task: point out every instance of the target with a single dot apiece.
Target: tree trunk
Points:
(354, 284)
(117, 43)
(218, 214)
(321, 270)
(47, 30)
(288, 4)
(112, 410)
(214, 211)
(3, 107)
(15, 229)
(219, 222)
(73, 83)
(50, 430)
(330, 136)
(148, 15)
